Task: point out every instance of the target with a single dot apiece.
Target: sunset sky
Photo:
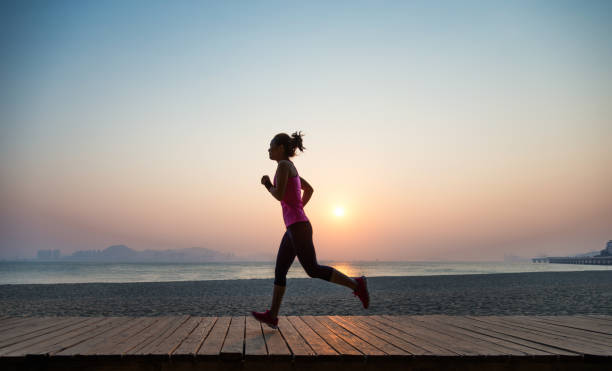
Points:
(455, 131)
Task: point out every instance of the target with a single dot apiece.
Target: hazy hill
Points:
(122, 253)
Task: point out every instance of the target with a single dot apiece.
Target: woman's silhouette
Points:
(297, 240)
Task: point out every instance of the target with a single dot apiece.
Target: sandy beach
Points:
(541, 293)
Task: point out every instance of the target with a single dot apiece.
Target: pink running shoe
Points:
(266, 318)
(362, 291)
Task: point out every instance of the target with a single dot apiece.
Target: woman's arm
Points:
(307, 191)
(282, 174)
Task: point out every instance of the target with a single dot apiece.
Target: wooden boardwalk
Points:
(432, 342)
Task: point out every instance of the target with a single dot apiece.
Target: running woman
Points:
(297, 240)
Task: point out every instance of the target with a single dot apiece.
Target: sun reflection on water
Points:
(346, 268)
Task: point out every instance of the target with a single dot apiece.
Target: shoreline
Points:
(530, 293)
(298, 278)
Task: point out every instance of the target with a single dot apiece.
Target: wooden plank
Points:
(559, 329)
(124, 339)
(524, 324)
(296, 343)
(277, 347)
(598, 316)
(399, 333)
(211, 347)
(485, 328)
(514, 347)
(465, 345)
(194, 340)
(31, 340)
(560, 342)
(141, 339)
(30, 321)
(85, 347)
(254, 342)
(344, 349)
(5, 319)
(355, 341)
(60, 339)
(460, 325)
(396, 340)
(36, 328)
(576, 323)
(356, 331)
(318, 345)
(164, 340)
(233, 346)
(15, 322)
(98, 330)
(150, 339)
(604, 323)
(174, 337)
(449, 343)
(482, 344)
(9, 319)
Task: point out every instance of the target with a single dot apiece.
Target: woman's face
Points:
(275, 152)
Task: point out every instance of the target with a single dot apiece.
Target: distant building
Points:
(48, 254)
(608, 250)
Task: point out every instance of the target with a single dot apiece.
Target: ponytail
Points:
(290, 143)
(296, 141)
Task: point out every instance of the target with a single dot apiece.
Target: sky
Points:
(450, 130)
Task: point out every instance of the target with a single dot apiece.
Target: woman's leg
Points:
(301, 234)
(342, 279)
(284, 259)
(277, 298)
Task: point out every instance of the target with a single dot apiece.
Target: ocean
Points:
(87, 272)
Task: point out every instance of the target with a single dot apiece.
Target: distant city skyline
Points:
(122, 253)
(460, 130)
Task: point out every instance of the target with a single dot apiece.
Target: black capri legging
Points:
(298, 241)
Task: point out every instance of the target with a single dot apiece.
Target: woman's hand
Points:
(265, 180)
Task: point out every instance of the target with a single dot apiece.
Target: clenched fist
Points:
(265, 180)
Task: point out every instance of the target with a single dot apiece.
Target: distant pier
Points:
(597, 260)
(604, 258)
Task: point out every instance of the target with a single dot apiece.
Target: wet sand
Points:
(541, 293)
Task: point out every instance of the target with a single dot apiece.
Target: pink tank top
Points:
(293, 209)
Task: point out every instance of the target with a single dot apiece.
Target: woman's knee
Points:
(280, 281)
(280, 275)
(320, 271)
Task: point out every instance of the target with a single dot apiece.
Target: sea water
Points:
(26, 272)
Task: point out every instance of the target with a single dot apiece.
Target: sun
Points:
(339, 211)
